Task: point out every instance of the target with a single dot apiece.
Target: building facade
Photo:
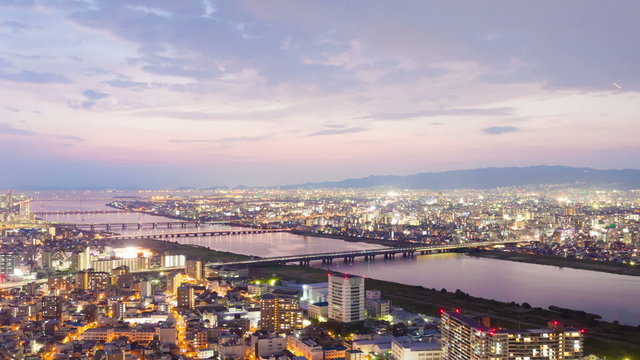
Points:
(346, 298)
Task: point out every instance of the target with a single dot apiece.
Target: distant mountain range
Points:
(486, 178)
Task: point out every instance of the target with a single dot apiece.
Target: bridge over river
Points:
(350, 256)
(198, 234)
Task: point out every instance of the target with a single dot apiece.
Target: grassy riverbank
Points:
(605, 339)
(609, 267)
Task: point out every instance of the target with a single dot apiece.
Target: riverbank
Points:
(192, 252)
(608, 267)
(603, 338)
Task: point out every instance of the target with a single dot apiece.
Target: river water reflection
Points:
(614, 297)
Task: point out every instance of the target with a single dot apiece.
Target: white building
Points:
(416, 350)
(314, 293)
(346, 298)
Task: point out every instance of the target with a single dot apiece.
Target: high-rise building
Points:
(47, 259)
(51, 307)
(145, 288)
(465, 338)
(174, 281)
(8, 199)
(346, 298)
(118, 309)
(92, 280)
(81, 260)
(99, 281)
(186, 297)
(194, 269)
(280, 313)
(25, 209)
(8, 263)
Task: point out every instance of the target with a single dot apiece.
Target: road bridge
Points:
(79, 212)
(132, 225)
(350, 256)
(198, 234)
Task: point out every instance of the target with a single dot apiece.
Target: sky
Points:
(163, 93)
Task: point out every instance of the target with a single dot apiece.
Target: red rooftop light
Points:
(441, 311)
(583, 331)
(457, 310)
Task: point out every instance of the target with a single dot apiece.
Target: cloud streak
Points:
(223, 140)
(436, 113)
(329, 132)
(499, 130)
(8, 129)
(35, 77)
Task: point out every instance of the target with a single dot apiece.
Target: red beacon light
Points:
(441, 311)
(457, 310)
(583, 331)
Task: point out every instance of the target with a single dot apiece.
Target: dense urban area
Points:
(78, 291)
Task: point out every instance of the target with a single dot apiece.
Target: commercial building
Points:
(346, 298)
(412, 349)
(314, 293)
(318, 311)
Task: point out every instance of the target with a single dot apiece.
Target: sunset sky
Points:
(202, 93)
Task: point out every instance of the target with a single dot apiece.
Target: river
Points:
(614, 297)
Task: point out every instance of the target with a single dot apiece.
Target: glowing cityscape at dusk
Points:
(319, 180)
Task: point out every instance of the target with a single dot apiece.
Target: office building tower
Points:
(346, 298)
(465, 338)
(280, 313)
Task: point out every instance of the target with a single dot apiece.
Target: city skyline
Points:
(203, 93)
